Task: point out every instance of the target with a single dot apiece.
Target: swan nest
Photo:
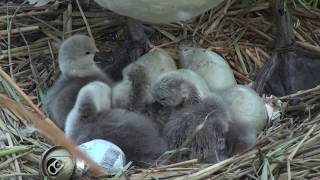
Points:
(241, 31)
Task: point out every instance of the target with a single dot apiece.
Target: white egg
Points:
(159, 11)
(246, 106)
(210, 66)
(156, 62)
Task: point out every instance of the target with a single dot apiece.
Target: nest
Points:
(242, 32)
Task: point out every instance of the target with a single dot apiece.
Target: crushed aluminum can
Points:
(58, 164)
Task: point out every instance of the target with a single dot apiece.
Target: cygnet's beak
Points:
(102, 59)
(183, 52)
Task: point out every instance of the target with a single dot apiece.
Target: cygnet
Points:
(208, 130)
(216, 140)
(245, 105)
(77, 69)
(92, 118)
(137, 92)
(178, 87)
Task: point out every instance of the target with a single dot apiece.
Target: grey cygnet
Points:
(92, 118)
(179, 87)
(77, 68)
(134, 91)
(139, 87)
(220, 137)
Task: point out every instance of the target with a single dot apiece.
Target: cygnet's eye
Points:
(164, 80)
(87, 53)
(162, 99)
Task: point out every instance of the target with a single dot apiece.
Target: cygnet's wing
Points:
(60, 99)
(211, 121)
(62, 95)
(158, 113)
(137, 136)
(139, 82)
(241, 137)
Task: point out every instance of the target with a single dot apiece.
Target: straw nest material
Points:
(241, 31)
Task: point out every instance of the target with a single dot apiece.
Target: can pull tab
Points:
(54, 166)
(58, 164)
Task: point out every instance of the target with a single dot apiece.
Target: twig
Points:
(290, 157)
(16, 163)
(17, 30)
(184, 163)
(300, 93)
(5, 163)
(208, 171)
(24, 14)
(85, 20)
(309, 46)
(47, 126)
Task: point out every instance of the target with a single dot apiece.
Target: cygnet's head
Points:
(92, 98)
(172, 90)
(95, 93)
(76, 56)
(186, 52)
